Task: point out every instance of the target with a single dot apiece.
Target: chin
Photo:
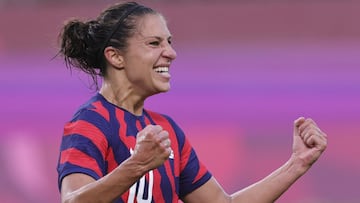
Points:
(163, 88)
(159, 92)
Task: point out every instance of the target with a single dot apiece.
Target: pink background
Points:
(244, 72)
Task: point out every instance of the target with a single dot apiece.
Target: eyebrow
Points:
(159, 38)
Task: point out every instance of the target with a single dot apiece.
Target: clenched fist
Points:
(152, 147)
(309, 141)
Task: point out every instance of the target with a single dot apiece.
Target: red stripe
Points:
(185, 154)
(138, 125)
(164, 123)
(99, 108)
(157, 192)
(125, 196)
(201, 172)
(147, 121)
(77, 157)
(129, 141)
(171, 179)
(112, 164)
(89, 131)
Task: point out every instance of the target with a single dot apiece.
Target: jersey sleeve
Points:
(193, 173)
(83, 146)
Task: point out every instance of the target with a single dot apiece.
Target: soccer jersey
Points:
(101, 136)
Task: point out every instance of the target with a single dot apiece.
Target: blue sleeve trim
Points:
(186, 190)
(70, 169)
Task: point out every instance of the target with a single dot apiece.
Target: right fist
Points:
(152, 147)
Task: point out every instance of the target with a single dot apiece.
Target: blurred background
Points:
(245, 70)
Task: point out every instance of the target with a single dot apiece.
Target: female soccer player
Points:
(114, 150)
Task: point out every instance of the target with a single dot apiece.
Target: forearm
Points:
(274, 185)
(110, 186)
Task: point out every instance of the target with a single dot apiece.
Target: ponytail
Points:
(78, 47)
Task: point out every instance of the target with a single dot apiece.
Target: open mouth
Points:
(162, 70)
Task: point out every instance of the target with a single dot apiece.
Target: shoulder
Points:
(92, 116)
(94, 108)
(89, 122)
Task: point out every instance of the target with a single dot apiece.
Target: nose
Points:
(169, 52)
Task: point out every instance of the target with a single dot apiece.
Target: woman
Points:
(114, 150)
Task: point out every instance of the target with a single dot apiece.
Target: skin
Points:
(130, 79)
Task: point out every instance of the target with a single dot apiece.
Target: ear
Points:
(114, 57)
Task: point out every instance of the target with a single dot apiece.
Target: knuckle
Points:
(310, 120)
(165, 133)
(158, 127)
(148, 127)
(313, 131)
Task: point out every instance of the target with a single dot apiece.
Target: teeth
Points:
(162, 69)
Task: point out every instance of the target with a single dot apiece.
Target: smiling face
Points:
(148, 56)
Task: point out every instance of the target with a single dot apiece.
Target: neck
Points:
(122, 96)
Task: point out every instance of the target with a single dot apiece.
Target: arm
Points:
(79, 187)
(309, 142)
(151, 150)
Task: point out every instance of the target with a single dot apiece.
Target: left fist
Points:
(309, 141)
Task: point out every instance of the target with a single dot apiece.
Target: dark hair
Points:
(82, 43)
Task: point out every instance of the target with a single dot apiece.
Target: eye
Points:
(169, 41)
(155, 43)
